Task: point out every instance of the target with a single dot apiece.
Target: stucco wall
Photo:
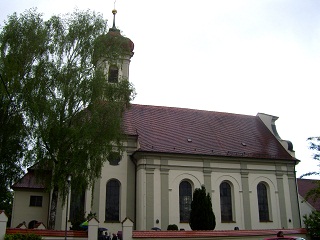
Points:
(23, 212)
(276, 175)
(124, 173)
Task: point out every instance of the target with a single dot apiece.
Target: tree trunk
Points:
(53, 208)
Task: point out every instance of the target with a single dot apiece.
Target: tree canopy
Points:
(312, 222)
(314, 146)
(13, 139)
(72, 116)
(201, 215)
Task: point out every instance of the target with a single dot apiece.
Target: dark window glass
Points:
(36, 201)
(185, 199)
(112, 200)
(263, 202)
(77, 205)
(113, 74)
(225, 202)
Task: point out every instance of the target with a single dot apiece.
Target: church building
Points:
(247, 169)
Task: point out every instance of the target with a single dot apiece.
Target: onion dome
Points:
(113, 44)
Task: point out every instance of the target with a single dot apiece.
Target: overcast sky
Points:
(234, 56)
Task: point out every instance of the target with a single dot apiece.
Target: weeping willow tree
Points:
(72, 114)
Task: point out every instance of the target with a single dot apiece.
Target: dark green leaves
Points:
(312, 222)
(71, 114)
(201, 216)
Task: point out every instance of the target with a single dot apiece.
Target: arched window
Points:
(185, 199)
(226, 202)
(113, 74)
(112, 200)
(262, 192)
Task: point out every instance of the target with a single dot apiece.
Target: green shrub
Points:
(312, 222)
(201, 215)
(76, 221)
(20, 236)
(172, 227)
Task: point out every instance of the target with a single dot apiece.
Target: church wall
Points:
(120, 173)
(234, 179)
(273, 201)
(157, 199)
(242, 175)
(141, 199)
(287, 204)
(294, 200)
(175, 177)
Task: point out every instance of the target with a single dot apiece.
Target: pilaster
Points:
(246, 197)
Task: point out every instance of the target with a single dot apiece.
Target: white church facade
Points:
(245, 166)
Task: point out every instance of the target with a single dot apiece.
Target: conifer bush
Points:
(201, 215)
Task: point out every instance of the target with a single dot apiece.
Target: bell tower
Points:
(113, 53)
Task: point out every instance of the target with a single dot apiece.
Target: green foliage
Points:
(78, 219)
(201, 215)
(6, 198)
(312, 223)
(172, 227)
(314, 146)
(20, 236)
(112, 46)
(71, 114)
(91, 215)
(13, 133)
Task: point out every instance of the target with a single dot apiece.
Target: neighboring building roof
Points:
(188, 131)
(304, 186)
(29, 180)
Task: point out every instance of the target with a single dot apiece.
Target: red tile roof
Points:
(304, 186)
(29, 181)
(216, 234)
(188, 131)
(48, 233)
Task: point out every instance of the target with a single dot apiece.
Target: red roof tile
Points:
(48, 233)
(188, 131)
(304, 186)
(216, 233)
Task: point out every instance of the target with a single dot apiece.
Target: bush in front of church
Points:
(201, 215)
(19, 236)
(172, 227)
(312, 222)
